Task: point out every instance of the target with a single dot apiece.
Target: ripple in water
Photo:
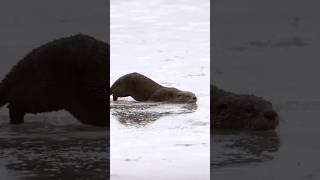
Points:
(43, 150)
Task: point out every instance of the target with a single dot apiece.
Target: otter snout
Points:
(272, 118)
(193, 99)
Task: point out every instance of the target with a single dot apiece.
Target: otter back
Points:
(69, 73)
(142, 88)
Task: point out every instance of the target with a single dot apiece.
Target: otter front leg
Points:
(16, 115)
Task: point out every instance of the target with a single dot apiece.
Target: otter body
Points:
(68, 73)
(241, 112)
(142, 88)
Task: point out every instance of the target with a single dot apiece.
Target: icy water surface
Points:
(48, 147)
(167, 41)
(268, 48)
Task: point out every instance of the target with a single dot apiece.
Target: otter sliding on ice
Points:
(142, 88)
(68, 73)
(240, 112)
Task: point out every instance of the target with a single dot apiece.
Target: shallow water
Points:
(167, 41)
(289, 153)
(268, 48)
(48, 147)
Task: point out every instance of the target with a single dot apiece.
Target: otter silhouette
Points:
(66, 74)
(142, 88)
(240, 111)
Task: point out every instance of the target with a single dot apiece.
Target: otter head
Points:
(185, 97)
(173, 95)
(242, 112)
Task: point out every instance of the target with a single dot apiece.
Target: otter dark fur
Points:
(69, 73)
(142, 88)
(241, 112)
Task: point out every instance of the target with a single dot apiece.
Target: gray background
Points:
(25, 25)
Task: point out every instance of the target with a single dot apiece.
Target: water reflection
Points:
(230, 148)
(37, 150)
(131, 113)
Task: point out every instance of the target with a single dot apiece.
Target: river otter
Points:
(141, 88)
(241, 112)
(69, 73)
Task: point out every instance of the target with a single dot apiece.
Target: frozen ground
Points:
(167, 41)
(268, 48)
(55, 145)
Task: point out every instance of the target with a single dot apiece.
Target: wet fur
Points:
(241, 112)
(142, 88)
(69, 73)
